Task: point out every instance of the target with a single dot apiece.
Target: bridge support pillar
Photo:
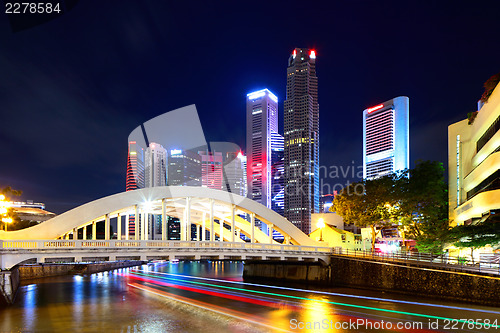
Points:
(75, 233)
(9, 282)
(94, 230)
(106, 227)
(136, 219)
(233, 212)
(203, 228)
(84, 232)
(143, 226)
(118, 227)
(164, 234)
(188, 218)
(252, 222)
(212, 228)
(270, 228)
(127, 227)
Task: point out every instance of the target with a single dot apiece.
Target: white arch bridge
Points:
(214, 225)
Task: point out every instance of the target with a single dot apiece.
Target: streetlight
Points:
(7, 220)
(320, 224)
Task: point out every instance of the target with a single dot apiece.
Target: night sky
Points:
(72, 89)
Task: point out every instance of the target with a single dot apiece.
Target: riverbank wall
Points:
(347, 272)
(11, 279)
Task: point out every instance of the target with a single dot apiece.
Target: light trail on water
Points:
(235, 293)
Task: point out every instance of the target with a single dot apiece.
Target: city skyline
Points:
(82, 103)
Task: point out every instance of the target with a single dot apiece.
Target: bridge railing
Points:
(141, 244)
(491, 265)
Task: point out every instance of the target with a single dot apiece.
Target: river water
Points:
(211, 297)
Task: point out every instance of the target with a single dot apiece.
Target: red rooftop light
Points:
(375, 108)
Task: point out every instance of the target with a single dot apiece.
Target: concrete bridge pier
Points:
(9, 283)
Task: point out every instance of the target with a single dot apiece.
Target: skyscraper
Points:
(184, 168)
(211, 169)
(135, 167)
(277, 173)
(262, 122)
(385, 138)
(236, 173)
(155, 166)
(301, 139)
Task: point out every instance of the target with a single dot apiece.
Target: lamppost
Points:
(320, 224)
(7, 220)
(4, 211)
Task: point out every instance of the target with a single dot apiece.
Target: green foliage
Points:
(8, 192)
(416, 200)
(489, 86)
(476, 235)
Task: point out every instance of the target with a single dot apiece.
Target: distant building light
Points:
(294, 53)
(261, 93)
(312, 54)
(175, 151)
(375, 108)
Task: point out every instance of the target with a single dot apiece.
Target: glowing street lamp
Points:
(7, 220)
(320, 224)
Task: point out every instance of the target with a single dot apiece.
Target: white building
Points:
(386, 146)
(236, 173)
(474, 165)
(155, 165)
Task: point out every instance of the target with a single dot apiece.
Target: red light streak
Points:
(375, 108)
(208, 292)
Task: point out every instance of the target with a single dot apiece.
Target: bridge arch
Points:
(214, 213)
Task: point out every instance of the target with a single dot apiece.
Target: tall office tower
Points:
(184, 168)
(385, 138)
(301, 139)
(155, 174)
(235, 169)
(135, 167)
(155, 165)
(211, 169)
(277, 173)
(262, 120)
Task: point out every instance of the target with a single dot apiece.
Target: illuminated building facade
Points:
(184, 168)
(474, 165)
(386, 138)
(301, 147)
(277, 173)
(236, 173)
(262, 124)
(135, 167)
(211, 169)
(325, 202)
(155, 165)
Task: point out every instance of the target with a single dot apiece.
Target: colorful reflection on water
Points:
(211, 297)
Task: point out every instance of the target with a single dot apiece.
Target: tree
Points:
(415, 200)
(367, 203)
(7, 213)
(424, 206)
(489, 86)
(476, 236)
